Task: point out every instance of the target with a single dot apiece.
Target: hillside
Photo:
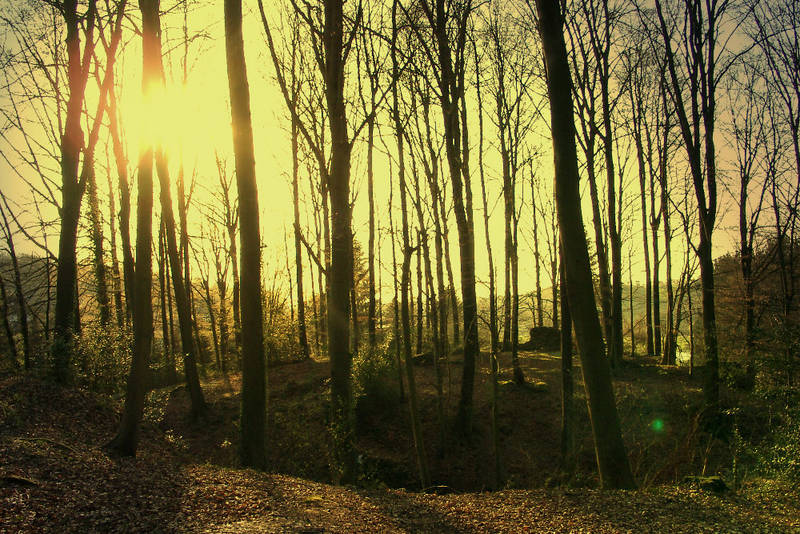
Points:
(54, 475)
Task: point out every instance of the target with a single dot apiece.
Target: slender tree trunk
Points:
(371, 244)
(12, 344)
(539, 317)
(630, 304)
(212, 318)
(420, 313)
(416, 429)
(451, 99)
(179, 290)
(711, 371)
(567, 382)
(72, 142)
(612, 460)
(648, 288)
(115, 276)
(519, 376)
(600, 247)
(126, 440)
(493, 327)
(395, 301)
(121, 163)
(222, 317)
(22, 309)
(654, 224)
(302, 333)
(354, 317)
(103, 301)
(340, 271)
(252, 449)
(669, 353)
(162, 297)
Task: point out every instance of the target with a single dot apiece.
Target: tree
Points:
(445, 52)
(72, 188)
(126, 440)
(252, 451)
(697, 75)
(22, 308)
(612, 460)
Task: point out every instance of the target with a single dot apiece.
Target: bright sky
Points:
(194, 121)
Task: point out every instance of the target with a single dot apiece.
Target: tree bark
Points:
(610, 450)
(127, 438)
(71, 189)
(252, 449)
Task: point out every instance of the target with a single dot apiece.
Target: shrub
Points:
(375, 387)
(103, 358)
(779, 456)
(280, 340)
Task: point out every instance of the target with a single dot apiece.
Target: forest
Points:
(400, 266)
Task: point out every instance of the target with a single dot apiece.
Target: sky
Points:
(194, 122)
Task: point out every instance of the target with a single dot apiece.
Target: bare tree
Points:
(126, 440)
(72, 141)
(612, 460)
(252, 449)
(444, 50)
(694, 27)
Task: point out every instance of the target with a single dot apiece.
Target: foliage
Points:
(375, 387)
(280, 338)
(103, 358)
(779, 456)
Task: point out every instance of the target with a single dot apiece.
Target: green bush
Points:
(375, 387)
(779, 456)
(281, 342)
(103, 358)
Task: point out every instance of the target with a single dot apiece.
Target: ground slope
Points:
(55, 477)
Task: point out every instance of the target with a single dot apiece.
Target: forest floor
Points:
(55, 476)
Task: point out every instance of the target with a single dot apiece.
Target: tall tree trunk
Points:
(519, 376)
(127, 438)
(252, 452)
(103, 301)
(302, 333)
(451, 91)
(420, 295)
(395, 300)
(539, 317)
(72, 141)
(354, 317)
(12, 344)
(416, 428)
(567, 382)
(179, 290)
(212, 319)
(340, 272)
(121, 162)
(371, 244)
(493, 326)
(630, 303)
(669, 353)
(115, 275)
(22, 309)
(162, 297)
(600, 247)
(610, 450)
(648, 288)
(236, 289)
(655, 221)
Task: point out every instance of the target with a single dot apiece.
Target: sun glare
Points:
(173, 117)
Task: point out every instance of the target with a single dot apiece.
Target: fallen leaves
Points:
(77, 488)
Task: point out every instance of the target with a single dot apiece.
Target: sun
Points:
(178, 118)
